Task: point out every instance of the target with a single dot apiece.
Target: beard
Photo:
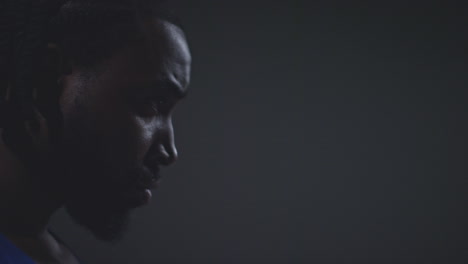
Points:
(102, 205)
(98, 189)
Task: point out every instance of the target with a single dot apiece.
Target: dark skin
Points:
(117, 124)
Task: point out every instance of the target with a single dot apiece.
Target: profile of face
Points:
(118, 129)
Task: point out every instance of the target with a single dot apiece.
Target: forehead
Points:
(164, 40)
(163, 54)
(169, 39)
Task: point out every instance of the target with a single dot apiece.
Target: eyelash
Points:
(151, 106)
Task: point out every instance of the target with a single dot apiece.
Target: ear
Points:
(55, 67)
(36, 135)
(57, 63)
(39, 133)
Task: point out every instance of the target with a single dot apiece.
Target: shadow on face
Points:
(118, 128)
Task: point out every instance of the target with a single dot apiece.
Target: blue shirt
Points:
(10, 254)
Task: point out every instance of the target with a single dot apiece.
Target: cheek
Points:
(119, 137)
(127, 138)
(139, 138)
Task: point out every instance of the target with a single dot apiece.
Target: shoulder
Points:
(66, 254)
(10, 254)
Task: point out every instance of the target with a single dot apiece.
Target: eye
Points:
(151, 106)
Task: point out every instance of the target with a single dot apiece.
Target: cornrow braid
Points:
(23, 27)
(87, 31)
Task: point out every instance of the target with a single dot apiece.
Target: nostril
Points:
(166, 157)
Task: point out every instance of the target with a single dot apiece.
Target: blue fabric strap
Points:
(10, 254)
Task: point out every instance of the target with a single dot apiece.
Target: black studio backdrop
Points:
(314, 132)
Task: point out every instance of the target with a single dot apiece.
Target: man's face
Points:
(118, 129)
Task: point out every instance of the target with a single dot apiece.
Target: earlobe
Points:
(39, 132)
(27, 137)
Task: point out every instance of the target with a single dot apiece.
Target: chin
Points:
(106, 214)
(101, 196)
(105, 223)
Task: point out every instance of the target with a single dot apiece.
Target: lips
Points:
(138, 198)
(151, 185)
(137, 191)
(149, 178)
(140, 194)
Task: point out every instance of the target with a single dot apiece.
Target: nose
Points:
(167, 151)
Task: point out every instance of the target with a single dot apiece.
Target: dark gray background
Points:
(315, 132)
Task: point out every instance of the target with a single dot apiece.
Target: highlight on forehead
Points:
(175, 35)
(163, 37)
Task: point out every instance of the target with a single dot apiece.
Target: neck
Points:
(25, 205)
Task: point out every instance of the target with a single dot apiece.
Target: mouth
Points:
(148, 180)
(151, 185)
(154, 176)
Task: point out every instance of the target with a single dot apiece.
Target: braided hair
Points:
(87, 32)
